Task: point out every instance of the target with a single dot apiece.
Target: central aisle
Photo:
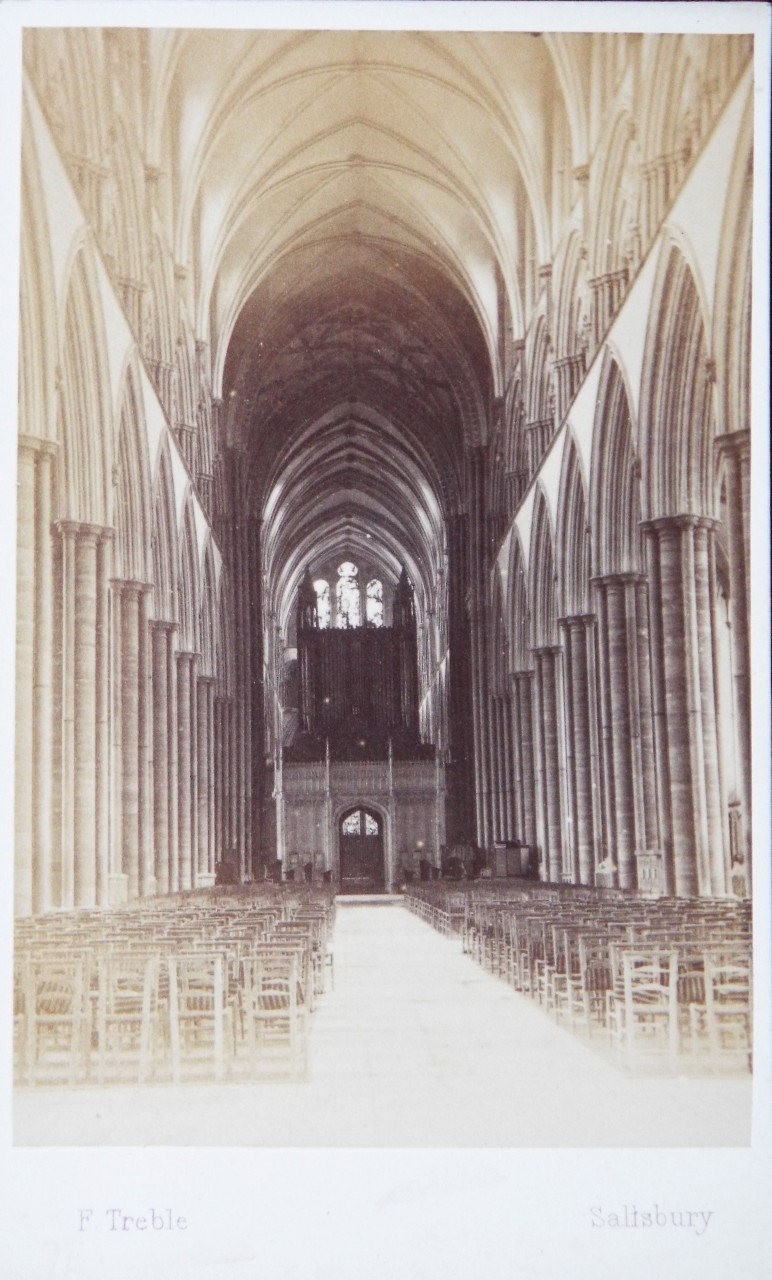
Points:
(416, 1046)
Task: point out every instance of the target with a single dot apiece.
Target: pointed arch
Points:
(732, 308)
(223, 650)
(164, 541)
(133, 491)
(542, 600)
(677, 415)
(539, 390)
(85, 412)
(208, 616)
(615, 498)
(498, 653)
(519, 614)
(125, 217)
(573, 537)
(615, 242)
(38, 338)
(189, 591)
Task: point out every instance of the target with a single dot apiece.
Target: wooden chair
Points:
(273, 1016)
(201, 1033)
(728, 1010)
(643, 1008)
(128, 1022)
(53, 1020)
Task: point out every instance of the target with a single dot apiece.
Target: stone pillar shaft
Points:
(548, 763)
(681, 583)
(523, 684)
(173, 741)
(204, 740)
(578, 639)
(84, 727)
(103, 760)
(185, 792)
(160, 679)
(25, 670)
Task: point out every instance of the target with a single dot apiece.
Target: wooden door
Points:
(361, 852)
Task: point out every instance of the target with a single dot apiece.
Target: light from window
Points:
(374, 604)
(352, 825)
(323, 610)
(349, 612)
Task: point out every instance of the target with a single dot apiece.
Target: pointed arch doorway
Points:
(361, 851)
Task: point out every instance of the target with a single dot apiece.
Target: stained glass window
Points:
(374, 604)
(349, 613)
(359, 823)
(324, 612)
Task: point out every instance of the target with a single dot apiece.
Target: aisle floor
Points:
(415, 1047)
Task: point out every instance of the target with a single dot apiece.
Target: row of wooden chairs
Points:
(661, 983)
(225, 992)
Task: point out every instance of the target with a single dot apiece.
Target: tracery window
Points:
(349, 612)
(323, 607)
(359, 823)
(374, 603)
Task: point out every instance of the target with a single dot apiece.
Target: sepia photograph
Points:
(384, 703)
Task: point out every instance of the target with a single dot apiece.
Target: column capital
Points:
(188, 655)
(544, 650)
(735, 442)
(207, 679)
(82, 530)
(162, 625)
(525, 675)
(578, 621)
(668, 524)
(129, 587)
(37, 444)
(617, 579)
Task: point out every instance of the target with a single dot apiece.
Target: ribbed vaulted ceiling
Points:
(356, 200)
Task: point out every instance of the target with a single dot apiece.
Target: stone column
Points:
(735, 450)
(629, 767)
(42, 835)
(523, 722)
(479, 723)
(194, 768)
(546, 724)
(494, 757)
(509, 771)
(620, 757)
(212, 775)
(103, 754)
(173, 741)
(578, 631)
(678, 549)
(26, 551)
(147, 881)
(84, 727)
(714, 871)
(650, 829)
(164, 851)
(185, 792)
(129, 594)
(205, 874)
(68, 530)
(217, 841)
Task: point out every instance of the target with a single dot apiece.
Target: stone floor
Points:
(415, 1047)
